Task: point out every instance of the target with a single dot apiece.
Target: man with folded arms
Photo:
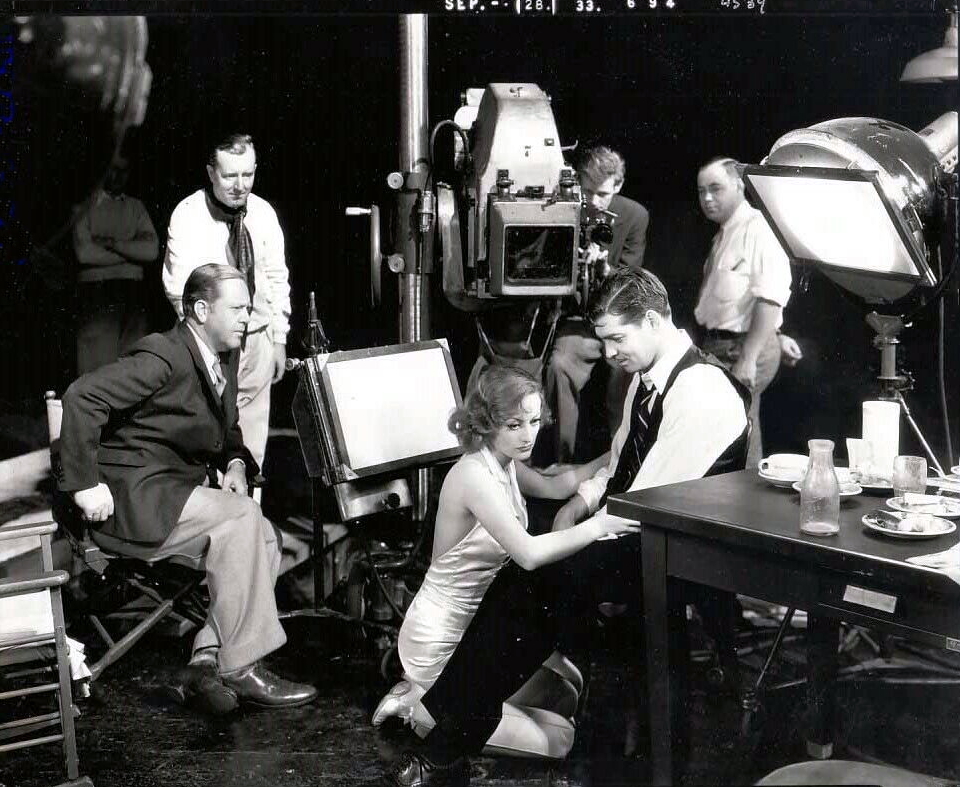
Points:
(137, 440)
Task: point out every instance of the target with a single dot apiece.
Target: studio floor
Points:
(131, 734)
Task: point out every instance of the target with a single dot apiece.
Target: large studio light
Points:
(867, 202)
(937, 65)
(861, 199)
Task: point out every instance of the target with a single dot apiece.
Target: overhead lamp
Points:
(937, 65)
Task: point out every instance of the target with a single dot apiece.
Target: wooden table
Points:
(738, 533)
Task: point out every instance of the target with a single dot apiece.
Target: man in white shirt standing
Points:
(746, 285)
(226, 223)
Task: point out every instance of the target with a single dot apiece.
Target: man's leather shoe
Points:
(256, 685)
(199, 685)
(415, 770)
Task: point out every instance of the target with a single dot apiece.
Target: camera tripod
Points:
(893, 382)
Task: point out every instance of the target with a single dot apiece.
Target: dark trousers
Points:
(523, 617)
(111, 319)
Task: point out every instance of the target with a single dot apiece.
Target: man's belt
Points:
(716, 333)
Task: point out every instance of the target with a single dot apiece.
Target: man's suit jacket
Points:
(148, 425)
(629, 232)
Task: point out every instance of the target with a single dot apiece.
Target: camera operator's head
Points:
(631, 316)
(720, 188)
(601, 172)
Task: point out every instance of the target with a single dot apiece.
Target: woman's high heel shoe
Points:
(400, 701)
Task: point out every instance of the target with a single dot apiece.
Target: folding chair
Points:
(105, 583)
(26, 639)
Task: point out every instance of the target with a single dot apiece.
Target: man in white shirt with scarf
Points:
(226, 223)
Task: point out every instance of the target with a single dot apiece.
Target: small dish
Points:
(909, 525)
(846, 490)
(944, 507)
(777, 480)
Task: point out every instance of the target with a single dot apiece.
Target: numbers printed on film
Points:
(748, 5)
(652, 5)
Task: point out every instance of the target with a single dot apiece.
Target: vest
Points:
(734, 457)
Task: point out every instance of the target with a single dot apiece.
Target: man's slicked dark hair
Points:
(630, 294)
(203, 284)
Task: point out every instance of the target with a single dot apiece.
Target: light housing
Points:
(859, 199)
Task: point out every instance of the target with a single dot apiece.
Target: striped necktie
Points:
(218, 380)
(630, 455)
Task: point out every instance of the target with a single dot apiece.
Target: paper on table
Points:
(947, 561)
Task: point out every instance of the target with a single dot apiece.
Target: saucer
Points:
(778, 480)
(932, 526)
(846, 490)
(937, 507)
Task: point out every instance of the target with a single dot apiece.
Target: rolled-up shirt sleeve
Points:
(770, 275)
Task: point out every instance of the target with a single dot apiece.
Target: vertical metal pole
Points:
(414, 156)
(414, 160)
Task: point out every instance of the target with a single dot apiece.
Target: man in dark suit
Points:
(601, 172)
(137, 439)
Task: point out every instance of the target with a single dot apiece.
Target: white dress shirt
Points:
(746, 262)
(195, 238)
(702, 415)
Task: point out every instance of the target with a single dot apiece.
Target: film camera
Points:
(514, 226)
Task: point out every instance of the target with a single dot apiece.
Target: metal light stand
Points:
(892, 382)
(316, 343)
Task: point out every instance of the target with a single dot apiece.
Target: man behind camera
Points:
(601, 172)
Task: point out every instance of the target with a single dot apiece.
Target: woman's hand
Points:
(610, 526)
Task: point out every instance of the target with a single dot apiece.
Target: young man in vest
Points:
(685, 417)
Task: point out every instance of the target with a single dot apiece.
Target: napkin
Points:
(947, 561)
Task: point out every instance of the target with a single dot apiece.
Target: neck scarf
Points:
(239, 244)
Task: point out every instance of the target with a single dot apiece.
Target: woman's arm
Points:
(484, 498)
(533, 483)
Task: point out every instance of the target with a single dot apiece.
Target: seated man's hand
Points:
(790, 352)
(95, 503)
(235, 479)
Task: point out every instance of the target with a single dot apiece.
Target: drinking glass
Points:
(909, 475)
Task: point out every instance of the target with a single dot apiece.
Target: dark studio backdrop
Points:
(319, 94)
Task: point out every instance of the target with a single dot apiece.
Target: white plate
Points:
(778, 481)
(946, 507)
(943, 527)
(955, 470)
(846, 490)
